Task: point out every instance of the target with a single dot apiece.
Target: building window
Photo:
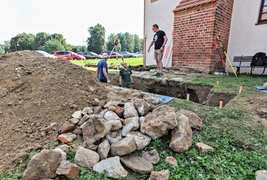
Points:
(263, 12)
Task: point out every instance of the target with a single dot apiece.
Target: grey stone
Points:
(123, 147)
(43, 165)
(84, 119)
(142, 119)
(77, 115)
(137, 164)
(261, 175)
(114, 136)
(112, 108)
(88, 111)
(194, 119)
(86, 157)
(74, 121)
(142, 106)
(134, 121)
(112, 166)
(95, 129)
(152, 99)
(203, 147)
(159, 122)
(171, 161)
(77, 131)
(110, 115)
(103, 149)
(160, 175)
(151, 156)
(140, 139)
(111, 103)
(127, 128)
(115, 125)
(129, 110)
(181, 136)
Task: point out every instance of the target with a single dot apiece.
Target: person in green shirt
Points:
(126, 79)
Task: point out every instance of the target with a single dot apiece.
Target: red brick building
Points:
(196, 25)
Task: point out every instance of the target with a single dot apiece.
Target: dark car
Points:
(127, 54)
(90, 55)
(113, 54)
(68, 55)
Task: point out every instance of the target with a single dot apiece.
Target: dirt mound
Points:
(37, 95)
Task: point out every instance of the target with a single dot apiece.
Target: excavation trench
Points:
(198, 93)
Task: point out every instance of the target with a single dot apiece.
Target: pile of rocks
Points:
(105, 135)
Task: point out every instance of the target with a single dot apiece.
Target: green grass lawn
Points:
(129, 61)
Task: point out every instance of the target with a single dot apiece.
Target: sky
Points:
(71, 18)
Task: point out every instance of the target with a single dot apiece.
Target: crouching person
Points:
(126, 79)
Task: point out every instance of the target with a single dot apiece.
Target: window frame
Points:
(260, 21)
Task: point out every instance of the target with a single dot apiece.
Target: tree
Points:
(129, 45)
(40, 39)
(7, 46)
(53, 45)
(138, 43)
(96, 41)
(22, 41)
(2, 49)
(62, 40)
(122, 40)
(78, 48)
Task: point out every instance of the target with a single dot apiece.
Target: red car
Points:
(68, 55)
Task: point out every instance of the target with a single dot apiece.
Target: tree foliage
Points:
(22, 41)
(53, 45)
(40, 39)
(96, 41)
(78, 48)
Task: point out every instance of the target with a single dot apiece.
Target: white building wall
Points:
(246, 38)
(161, 13)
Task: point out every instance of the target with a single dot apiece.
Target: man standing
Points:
(160, 39)
(102, 69)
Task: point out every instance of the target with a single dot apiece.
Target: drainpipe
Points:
(144, 36)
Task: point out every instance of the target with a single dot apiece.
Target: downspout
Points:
(144, 36)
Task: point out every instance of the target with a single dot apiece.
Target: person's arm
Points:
(151, 44)
(164, 42)
(120, 80)
(105, 73)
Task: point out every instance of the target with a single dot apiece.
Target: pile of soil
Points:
(37, 95)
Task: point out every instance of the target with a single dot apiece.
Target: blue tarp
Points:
(261, 88)
(164, 99)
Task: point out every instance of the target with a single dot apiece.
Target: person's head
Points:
(104, 56)
(124, 64)
(155, 27)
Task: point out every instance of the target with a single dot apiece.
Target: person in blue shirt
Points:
(102, 69)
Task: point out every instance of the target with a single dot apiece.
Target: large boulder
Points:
(142, 106)
(123, 147)
(68, 169)
(261, 175)
(137, 164)
(43, 165)
(112, 166)
(182, 135)
(158, 123)
(95, 129)
(140, 139)
(129, 110)
(103, 149)
(194, 119)
(114, 136)
(86, 157)
(110, 115)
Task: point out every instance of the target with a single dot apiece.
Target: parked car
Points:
(139, 54)
(46, 54)
(127, 54)
(113, 54)
(90, 55)
(68, 55)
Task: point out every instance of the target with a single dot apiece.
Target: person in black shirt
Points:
(159, 40)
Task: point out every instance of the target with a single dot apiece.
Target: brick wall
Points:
(194, 31)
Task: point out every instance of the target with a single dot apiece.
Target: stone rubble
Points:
(106, 134)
